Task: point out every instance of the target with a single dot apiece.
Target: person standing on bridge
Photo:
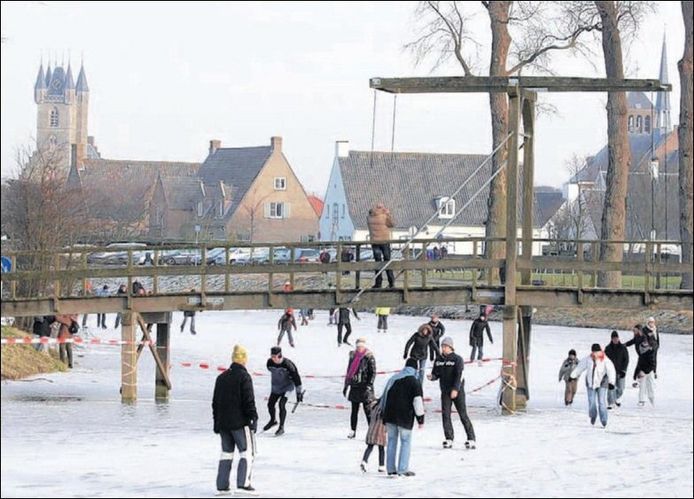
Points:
(285, 378)
(448, 369)
(617, 352)
(359, 380)
(235, 421)
(101, 318)
(479, 326)
(418, 346)
(122, 291)
(285, 325)
(600, 376)
(380, 222)
(343, 321)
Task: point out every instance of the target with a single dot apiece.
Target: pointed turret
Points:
(662, 101)
(40, 85)
(49, 75)
(69, 81)
(82, 81)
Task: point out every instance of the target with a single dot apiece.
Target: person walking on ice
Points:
(448, 369)
(565, 375)
(235, 421)
(382, 314)
(617, 352)
(359, 380)
(285, 325)
(600, 376)
(477, 329)
(646, 346)
(419, 346)
(285, 378)
(375, 436)
(343, 320)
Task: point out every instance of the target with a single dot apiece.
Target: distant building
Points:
(414, 186)
(246, 193)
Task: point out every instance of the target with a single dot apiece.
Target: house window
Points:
(199, 208)
(343, 210)
(446, 207)
(327, 210)
(280, 183)
(54, 118)
(631, 123)
(336, 210)
(638, 124)
(647, 124)
(276, 210)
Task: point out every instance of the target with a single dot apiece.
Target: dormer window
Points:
(446, 207)
(280, 183)
(220, 208)
(199, 208)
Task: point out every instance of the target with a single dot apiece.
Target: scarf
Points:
(408, 371)
(354, 366)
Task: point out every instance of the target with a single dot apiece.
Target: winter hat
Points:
(361, 340)
(290, 310)
(614, 334)
(572, 352)
(651, 319)
(595, 347)
(275, 351)
(411, 363)
(240, 355)
(447, 341)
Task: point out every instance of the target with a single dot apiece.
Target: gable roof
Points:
(121, 189)
(546, 204)
(237, 166)
(316, 203)
(181, 193)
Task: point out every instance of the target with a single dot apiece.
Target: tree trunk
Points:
(498, 104)
(685, 144)
(619, 154)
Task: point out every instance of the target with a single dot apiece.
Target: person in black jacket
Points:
(437, 329)
(122, 291)
(285, 377)
(42, 329)
(448, 369)
(617, 352)
(644, 373)
(360, 377)
(235, 420)
(479, 326)
(343, 320)
(401, 402)
(421, 342)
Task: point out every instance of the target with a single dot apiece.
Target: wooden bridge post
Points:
(128, 366)
(525, 316)
(508, 395)
(161, 389)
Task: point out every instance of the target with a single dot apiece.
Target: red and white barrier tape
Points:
(76, 340)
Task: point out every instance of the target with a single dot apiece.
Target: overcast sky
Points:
(167, 77)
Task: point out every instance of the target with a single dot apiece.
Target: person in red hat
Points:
(285, 325)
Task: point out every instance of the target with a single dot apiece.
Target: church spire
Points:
(82, 80)
(662, 100)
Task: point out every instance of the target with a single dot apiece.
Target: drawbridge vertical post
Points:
(525, 317)
(128, 366)
(161, 388)
(508, 394)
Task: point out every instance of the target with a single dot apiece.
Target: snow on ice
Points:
(69, 435)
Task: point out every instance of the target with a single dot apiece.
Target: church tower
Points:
(62, 108)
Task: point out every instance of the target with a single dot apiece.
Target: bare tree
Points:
(571, 220)
(685, 144)
(254, 209)
(539, 29)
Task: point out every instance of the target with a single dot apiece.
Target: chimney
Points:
(276, 143)
(214, 145)
(342, 148)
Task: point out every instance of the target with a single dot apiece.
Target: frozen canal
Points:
(69, 435)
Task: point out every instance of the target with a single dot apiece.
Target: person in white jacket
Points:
(600, 376)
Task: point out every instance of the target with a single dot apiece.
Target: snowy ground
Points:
(69, 435)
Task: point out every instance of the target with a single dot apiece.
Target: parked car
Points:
(216, 256)
(175, 257)
(306, 255)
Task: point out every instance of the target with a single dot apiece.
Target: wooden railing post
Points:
(227, 264)
(579, 258)
(271, 257)
(130, 275)
(659, 261)
(292, 256)
(203, 273)
(357, 274)
(155, 277)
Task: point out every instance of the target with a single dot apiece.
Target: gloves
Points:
(299, 396)
(610, 386)
(253, 425)
(216, 427)
(404, 356)
(344, 391)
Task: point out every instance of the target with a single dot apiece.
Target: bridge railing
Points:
(286, 267)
